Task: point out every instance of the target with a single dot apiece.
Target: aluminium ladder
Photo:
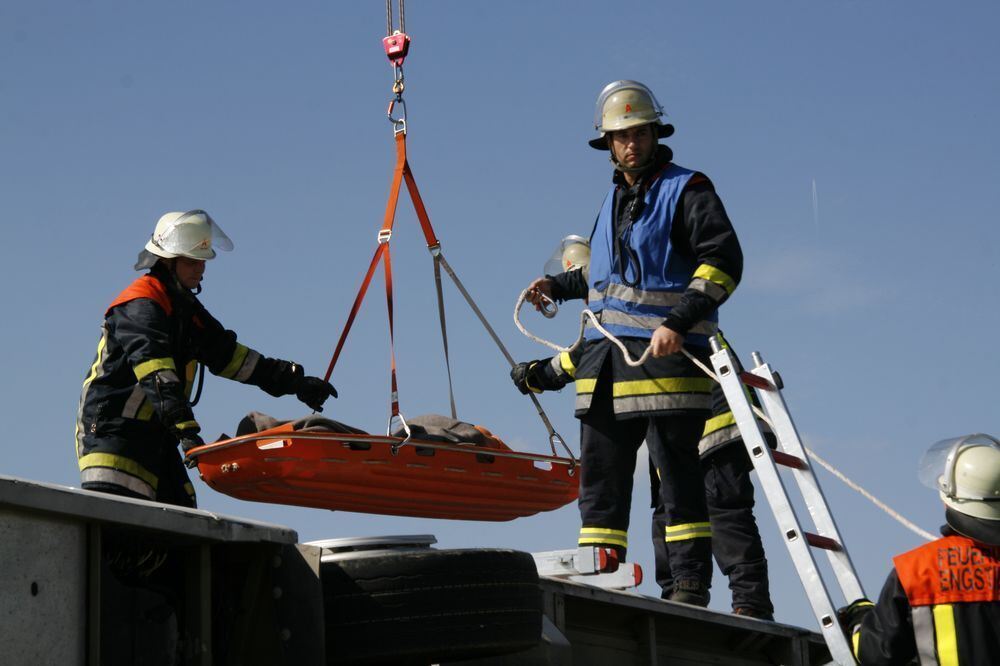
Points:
(790, 453)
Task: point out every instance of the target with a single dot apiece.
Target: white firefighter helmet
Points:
(573, 252)
(966, 473)
(193, 234)
(623, 104)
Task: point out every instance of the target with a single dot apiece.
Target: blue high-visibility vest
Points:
(655, 275)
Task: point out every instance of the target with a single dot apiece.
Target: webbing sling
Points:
(382, 253)
(400, 173)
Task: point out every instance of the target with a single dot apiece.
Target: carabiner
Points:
(398, 124)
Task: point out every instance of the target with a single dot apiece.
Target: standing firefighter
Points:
(135, 407)
(736, 542)
(664, 256)
(941, 602)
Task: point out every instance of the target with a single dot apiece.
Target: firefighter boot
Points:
(690, 591)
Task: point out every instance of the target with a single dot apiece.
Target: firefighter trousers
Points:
(608, 448)
(736, 542)
(173, 485)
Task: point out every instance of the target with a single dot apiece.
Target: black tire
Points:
(426, 606)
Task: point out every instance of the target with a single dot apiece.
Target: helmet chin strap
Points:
(631, 170)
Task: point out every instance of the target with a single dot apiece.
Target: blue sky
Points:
(875, 298)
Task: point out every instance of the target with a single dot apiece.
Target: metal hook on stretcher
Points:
(556, 437)
(406, 428)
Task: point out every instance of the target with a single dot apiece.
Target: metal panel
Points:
(126, 512)
(42, 589)
(605, 627)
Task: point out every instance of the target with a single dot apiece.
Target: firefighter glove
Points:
(523, 373)
(188, 442)
(280, 377)
(851, 616)
(314, 391)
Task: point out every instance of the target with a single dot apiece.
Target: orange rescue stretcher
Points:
(361, 472)
(356, 471)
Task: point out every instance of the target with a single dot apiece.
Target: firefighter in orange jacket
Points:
(135, 407)
(941, 602)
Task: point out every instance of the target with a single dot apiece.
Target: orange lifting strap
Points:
(401, 172)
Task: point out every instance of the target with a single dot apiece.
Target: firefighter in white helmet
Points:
(136, 403)
(941, 601)
(664, 256)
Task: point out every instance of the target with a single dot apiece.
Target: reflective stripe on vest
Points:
(663, 275)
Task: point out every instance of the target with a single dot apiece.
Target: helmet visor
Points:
(194, 235)
(937, 466)
(560, 261)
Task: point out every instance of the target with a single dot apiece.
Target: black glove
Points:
(278, 377)
(188, 442)
(522, 374)
(314, 391)
(850, 616)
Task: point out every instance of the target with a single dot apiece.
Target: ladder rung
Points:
(826, 543)
(756, 382)
(788, 460)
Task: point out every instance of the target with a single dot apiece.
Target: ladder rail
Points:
(819, 509)
(793, 535)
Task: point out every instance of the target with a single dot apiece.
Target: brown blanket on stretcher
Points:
(427, 427)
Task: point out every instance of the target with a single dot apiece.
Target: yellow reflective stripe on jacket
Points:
(94, 369)
(121, 463)
(585, 385)
(662, 385)
(98, 360)
(713, 274)
(687, 531)
(567, 364)
(145, 412)
(236, 362)
(718, 423)
(186, 425)
(945, 636)
(603, 535)
(856, 642)
(153, 365)
(638, 296)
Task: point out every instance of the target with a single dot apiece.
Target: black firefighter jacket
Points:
(135, 398)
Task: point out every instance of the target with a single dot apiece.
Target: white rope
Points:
(550, 310)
